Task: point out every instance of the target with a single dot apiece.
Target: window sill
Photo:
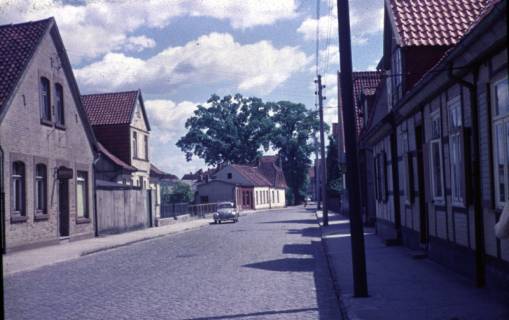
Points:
(41, 216)
(60, 126)
(46, 122)
(82, 220)
(140, 159)
(18, 219)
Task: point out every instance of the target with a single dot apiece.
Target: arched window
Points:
(41, 191)
(18, 188)
(45, 100)
(59, 104)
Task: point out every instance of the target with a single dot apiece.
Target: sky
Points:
(180, 52)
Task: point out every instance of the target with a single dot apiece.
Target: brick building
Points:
(47, 144)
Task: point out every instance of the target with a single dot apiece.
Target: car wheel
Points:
(219, 221)
(215, 221)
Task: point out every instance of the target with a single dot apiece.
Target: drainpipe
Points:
(476, 169)
(96, 223)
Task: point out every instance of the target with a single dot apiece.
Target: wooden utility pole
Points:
(352, 171)
(323, 170)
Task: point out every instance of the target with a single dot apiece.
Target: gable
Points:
(49, 59)
(138, 118)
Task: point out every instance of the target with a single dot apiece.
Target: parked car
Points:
(226, 211)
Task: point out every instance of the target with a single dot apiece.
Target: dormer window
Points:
(229, 175)
(45, 100)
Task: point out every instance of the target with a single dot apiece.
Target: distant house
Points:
(200, 176)
(249, 187)
(47, 147)
(122, 127)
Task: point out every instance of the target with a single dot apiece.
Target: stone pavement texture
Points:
(36, 258)
(269, 265)
(401, 287)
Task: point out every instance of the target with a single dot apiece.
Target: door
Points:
(150, 208)
(63, 205)
(423, 209)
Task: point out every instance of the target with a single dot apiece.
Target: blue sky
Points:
(179, 52)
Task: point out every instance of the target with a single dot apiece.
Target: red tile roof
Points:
(363, 81)
(271, 171)
(253, 175)
(114, 158)
(156, 172)
(110, 108)
(434, 22)
(18, 43)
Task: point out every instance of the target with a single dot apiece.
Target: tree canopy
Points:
(235, 129)
(231, 129)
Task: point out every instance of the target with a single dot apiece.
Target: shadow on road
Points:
(254, 314)
(312, 260)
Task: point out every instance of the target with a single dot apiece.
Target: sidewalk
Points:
(401, 287)
(36, 258)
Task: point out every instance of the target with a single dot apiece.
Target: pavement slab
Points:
(401, 287)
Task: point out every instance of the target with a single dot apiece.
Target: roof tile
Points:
(434, 22)
(110, 108)
(18, 43)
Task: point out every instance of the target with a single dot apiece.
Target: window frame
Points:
(45, 101)
(145, 146)
(135, 144)
(59, 106)
(499, 120)
(456, 150)
(436, 116)
(18, 214)
(82, 180)
(43, 180)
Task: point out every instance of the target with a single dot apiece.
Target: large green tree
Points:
(294, 126)
(230, 129)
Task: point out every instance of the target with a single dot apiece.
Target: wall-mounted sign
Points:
(64, 173)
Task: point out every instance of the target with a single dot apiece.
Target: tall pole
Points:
(323, 170)
(352, 173)
(315, 166)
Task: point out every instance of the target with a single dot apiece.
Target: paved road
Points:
(268, 266)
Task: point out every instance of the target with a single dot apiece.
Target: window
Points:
(59, 103)
(277, 196)
(41, 192)
(381, 177)
(18, 188)
(135, 145)
(256, 196)
(82, 194)
(436, 157)
(455, 151)
(145, 141)
(500, 99)
(140, 182)
(229, 175)
(273, 197)
(45, 100)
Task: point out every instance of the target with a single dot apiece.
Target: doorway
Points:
(63, 205)
(423, 209)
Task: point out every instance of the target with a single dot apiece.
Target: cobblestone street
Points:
(270, 265)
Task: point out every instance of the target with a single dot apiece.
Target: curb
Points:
(89, 252)
(335, 284)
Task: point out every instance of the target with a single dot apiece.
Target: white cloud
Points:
(139, 43)
(92, 28)
(210, 59)
(366, 18)
(167, 120)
